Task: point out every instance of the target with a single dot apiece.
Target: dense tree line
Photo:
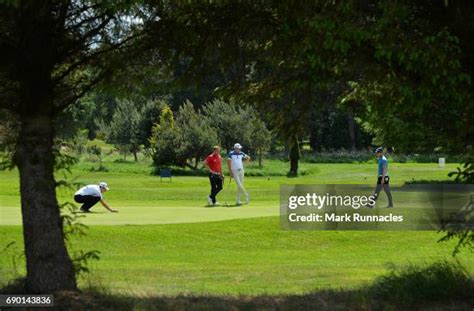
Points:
(401, 68)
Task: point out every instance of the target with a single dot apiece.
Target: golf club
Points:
(225, 194)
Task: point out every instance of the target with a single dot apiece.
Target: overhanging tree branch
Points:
(91, 57)
(89, 86)
(86, 21)
(79, 44)
(63, 12)
(79, 10)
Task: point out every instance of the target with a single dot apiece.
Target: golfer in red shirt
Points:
(213, 163)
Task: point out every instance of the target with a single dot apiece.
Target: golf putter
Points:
(225, 203)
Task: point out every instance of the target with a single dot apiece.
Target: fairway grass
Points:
(250, 257)
(143, 199)
(166, 241)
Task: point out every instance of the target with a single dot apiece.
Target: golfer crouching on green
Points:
(90, 195)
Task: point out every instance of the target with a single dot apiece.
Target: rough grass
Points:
(439, 286)
(439, 281)
(241, 257)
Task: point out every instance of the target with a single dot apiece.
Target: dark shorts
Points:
(386, 181)
(87, 201)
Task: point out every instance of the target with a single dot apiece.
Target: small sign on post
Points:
(441, 162)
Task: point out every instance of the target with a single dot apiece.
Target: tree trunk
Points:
(293, 166)
(100, 162)
(196, 161)
(295, 156)
(260, 157)
(135, 156)
(49, 267)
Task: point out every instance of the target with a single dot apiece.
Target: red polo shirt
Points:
(214, 162)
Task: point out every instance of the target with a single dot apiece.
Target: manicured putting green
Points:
(143, 199)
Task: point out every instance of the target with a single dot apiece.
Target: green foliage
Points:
(149, 113)
(81, 259)
(232, 120)
(74, 228)
(261, 138)
(13, 251)
(460, 227)
(417, 90)
(415, 284)
(13, 3)
(79, 143)
(71, 219)
(329, 130)
(96, 151)
(124, 129)
(194, 133)
(9, 127)
(344, 156)
(465, 173)
(166, 140)
(341, 156)
(198, 136)
(403, 66)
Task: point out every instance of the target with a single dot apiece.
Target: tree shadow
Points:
(440, 286)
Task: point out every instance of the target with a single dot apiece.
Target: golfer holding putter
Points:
(383, 179)
(213, 163)
(90, 195)
(236, 170)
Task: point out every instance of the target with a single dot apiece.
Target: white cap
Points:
(104, 185)
(237, 146)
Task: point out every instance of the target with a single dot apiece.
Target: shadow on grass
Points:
(441, 281)
(430, 182)
(439, 286)
(224, 205)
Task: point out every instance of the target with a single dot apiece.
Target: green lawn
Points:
(165, 241)
(251, 256)
(143, 199)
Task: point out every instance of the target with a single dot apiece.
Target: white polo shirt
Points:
(236, 158)
(93, 190)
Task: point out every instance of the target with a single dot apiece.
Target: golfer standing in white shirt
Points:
(236, 170)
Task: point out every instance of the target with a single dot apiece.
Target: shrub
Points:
(438, 281)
